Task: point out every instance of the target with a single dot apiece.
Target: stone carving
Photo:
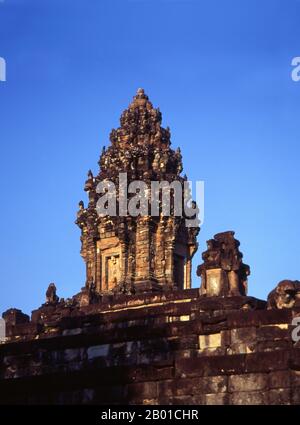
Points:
(223, 271)
(285, 295)
(51, 297)
(88, 295)
(124, 288)
(146, 247)
(112, 270)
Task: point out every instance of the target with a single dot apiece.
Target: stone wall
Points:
(169, 348)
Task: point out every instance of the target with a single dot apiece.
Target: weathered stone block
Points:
(183, 343)
(248, 382)
(295, 396)
(273, 345)
(273, 332)
(249, 398)
(280, 379)
(243, 340)
(213, 384)
(247, 319)
(207, 352)
(279, 396)
(182, 400)
(150, 373)
(185, 354)
(210, 341)
(242, 348)
(243, 335)
(167, 388)
(226, 338)
(76, 331)
(142, 391)
(210, 366)
(295, 378)
(216, 399)
(295, 359)
(188, 386)
(71, 355)
(97, 351)
(267, 361)
(202, 385)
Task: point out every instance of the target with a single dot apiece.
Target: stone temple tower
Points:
(125, 253)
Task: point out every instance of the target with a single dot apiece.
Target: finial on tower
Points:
(141, 99)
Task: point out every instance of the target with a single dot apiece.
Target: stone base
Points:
(169, 347)
(147, 286)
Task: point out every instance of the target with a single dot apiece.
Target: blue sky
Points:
(220, 71)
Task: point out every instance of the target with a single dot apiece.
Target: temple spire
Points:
(133, 253)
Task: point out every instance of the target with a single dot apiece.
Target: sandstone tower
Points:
(144, 253)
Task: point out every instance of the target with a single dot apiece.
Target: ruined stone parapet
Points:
(175, 347)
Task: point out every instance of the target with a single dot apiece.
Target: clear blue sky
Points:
(220, 71)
